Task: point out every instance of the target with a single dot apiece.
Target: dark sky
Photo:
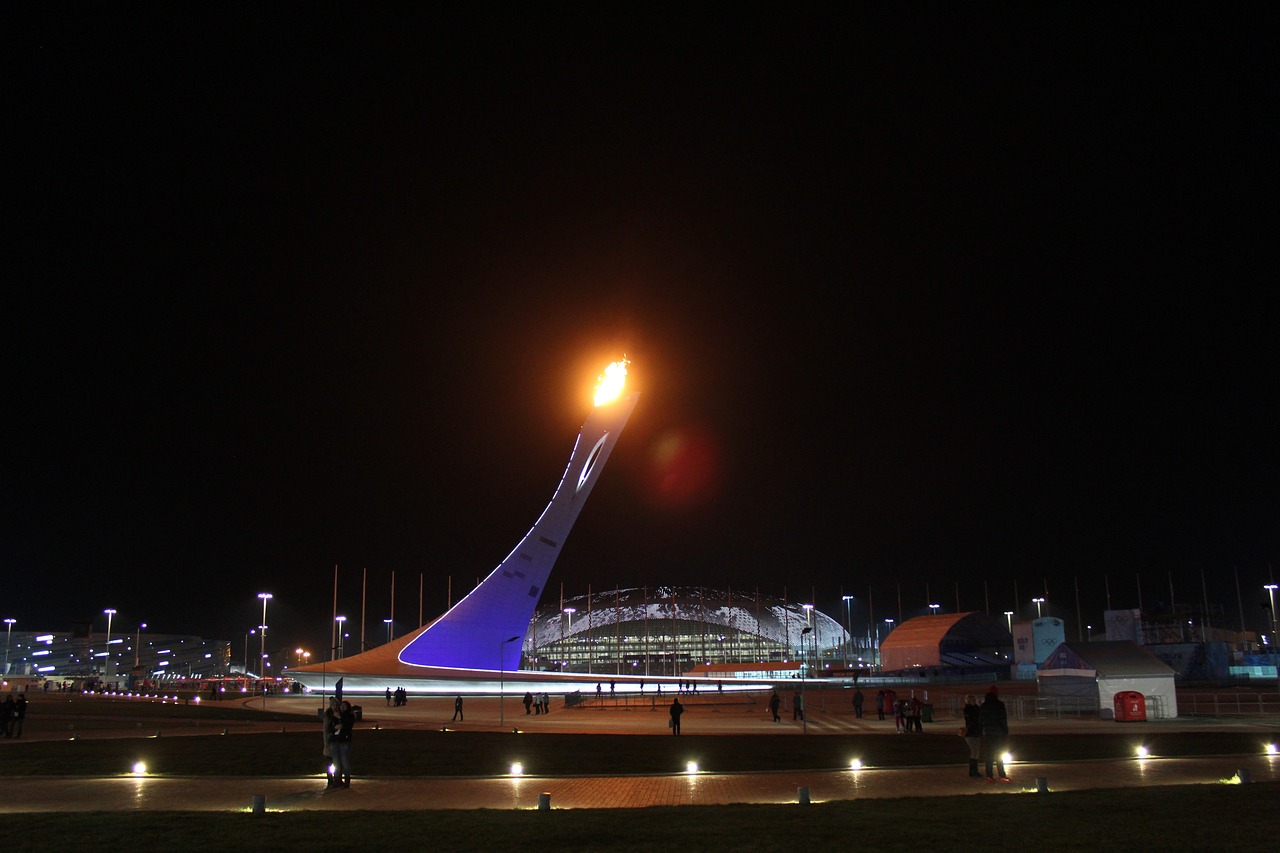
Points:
(914, 296)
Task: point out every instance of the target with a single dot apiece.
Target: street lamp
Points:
(935, 608)
(137, 645)
(502, 667)
(262, 639)
(569, 611)
(804, 712)
(252, 631)
(387, 622)
(808, 618)
(1008, 615)
(1038, 602)
(110, 612)
(7, 637)
(340, 620)
(848, 627)
(1271, 591)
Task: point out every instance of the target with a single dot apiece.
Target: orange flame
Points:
(609, 385)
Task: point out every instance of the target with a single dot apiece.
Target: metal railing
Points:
(1228, 704)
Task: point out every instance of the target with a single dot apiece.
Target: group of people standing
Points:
(986, 728)
(541, 703)
(399, 697)
(15, 715)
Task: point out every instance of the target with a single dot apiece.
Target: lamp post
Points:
(808, 620)
(1008, 615)
(1038, 602)
(1271, 591)
(8, 635)
(848, 626)
(502, 670)
(569, 611)
(804, 712)
(251, 632)
(137, 645)
(262, 638)
(340, 620)
(106, 663)
(387, 622)
(934, 608)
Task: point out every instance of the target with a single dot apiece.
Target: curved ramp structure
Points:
(476, 630)
(485, 630)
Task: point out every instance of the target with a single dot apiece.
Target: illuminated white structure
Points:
(472, 634)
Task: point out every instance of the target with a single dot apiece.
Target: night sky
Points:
(914, 296)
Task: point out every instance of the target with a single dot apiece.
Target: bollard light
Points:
(1271, 749)
(1006, 758)
(1142, 752)
(139, 769)
(517, 769)
(802, 795)
(691, 767)
(856, 764)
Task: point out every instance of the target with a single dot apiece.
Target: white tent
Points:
(1098, 671)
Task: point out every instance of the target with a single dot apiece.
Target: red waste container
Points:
(1130, 707)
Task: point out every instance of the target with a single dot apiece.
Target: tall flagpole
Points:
(392, 630)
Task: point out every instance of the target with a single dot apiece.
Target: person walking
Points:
(388, 697)
(528, 702)
(995, 730)
(457, 709)
(972, 733)
(857, 702)
(340, 745)
(880, 704)
(914, 707)
(546, 703)
(797, 706)
(775, 702)
(676, 710)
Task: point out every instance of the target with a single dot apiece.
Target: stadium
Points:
(667, 631)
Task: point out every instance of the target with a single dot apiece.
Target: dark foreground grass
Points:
(1238, 818)
(433, 753)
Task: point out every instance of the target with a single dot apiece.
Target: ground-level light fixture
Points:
(1142, 752)
(691, 767)
(517, 769)
(855, 764)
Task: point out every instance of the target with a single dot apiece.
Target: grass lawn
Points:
(1236, 818)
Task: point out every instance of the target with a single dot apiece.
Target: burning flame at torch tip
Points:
(609, 385)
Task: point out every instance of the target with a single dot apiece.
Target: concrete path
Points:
(48, 794)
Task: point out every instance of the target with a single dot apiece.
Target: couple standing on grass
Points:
(986, 728)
